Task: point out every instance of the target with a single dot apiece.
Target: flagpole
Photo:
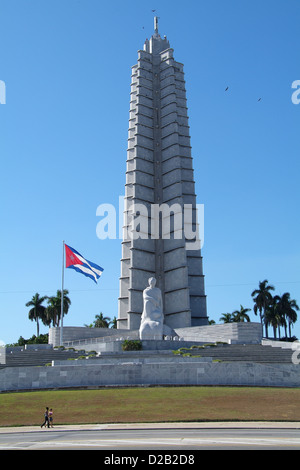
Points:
(62, 296)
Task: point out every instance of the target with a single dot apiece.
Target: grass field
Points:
(159, 404)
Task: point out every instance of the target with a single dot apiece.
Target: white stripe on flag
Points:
(86, 270)
(91, 267)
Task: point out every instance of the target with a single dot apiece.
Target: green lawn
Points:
(157, 404)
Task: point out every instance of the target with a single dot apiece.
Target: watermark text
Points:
(152, 221)
(2, 92)
(296, 94)
(2, 352)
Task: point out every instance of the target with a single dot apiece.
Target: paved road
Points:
(154, 438)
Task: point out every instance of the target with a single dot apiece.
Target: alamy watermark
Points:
(2, 92)
(2, 352)
(132, 221)
(296, 94)
(296, 348)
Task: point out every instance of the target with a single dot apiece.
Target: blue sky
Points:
(66, 65)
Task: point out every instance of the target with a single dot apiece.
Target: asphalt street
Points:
(175, 437)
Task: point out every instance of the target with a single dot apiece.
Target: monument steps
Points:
(222, 352)
(38, 357)
(244, 353)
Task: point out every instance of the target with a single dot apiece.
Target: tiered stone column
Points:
(159, 171)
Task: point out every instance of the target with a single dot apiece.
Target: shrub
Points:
(186, 352)
(131, 345)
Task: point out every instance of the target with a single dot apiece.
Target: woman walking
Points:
(50, 416)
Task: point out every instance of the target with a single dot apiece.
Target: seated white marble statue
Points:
(152, 321)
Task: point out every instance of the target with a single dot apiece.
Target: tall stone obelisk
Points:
(159, 174)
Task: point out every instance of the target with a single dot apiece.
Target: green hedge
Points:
(131, 345)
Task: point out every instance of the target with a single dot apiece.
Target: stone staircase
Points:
(38, 357)
(255, 353)
(245, 353)
(224, 352)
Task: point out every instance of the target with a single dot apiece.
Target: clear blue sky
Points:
(63, 138)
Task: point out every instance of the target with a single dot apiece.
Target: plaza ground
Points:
(151, 405)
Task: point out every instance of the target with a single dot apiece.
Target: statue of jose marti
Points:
(152, 321)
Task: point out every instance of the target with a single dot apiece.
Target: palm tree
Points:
(53, 310)
(101, 321)
(262, 298)
(54, 307)
(272, 316)
(114, 323)
(288, 310)
(38, 311)
(241, 315)
(226, 318)
(283, 306)
(292, 314)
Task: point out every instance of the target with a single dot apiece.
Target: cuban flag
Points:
(76, 261)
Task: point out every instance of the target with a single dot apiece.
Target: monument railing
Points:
(105, 339)
(110, 339)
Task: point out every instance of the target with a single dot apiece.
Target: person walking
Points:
(46, 418)
(50, 416)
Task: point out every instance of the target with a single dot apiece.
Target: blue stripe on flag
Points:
(88, 273)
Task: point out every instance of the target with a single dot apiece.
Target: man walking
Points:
(46, 416)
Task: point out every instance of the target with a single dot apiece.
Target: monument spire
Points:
(156, 24)
(159, 186)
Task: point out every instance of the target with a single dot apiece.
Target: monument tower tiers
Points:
(160, 176)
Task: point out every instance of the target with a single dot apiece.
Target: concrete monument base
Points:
(244, 333)
(242, 360)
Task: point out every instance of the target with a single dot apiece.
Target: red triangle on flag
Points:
(71, 257)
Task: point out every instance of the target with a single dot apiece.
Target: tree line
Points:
(274, 311)
(51, 314)
(103, 322)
